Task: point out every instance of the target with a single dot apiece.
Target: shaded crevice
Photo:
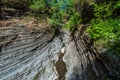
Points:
(90, 54)
(56, 34)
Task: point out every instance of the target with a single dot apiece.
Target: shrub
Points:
(64, 14)
(38, 5)
(107, 31)
(102, 10)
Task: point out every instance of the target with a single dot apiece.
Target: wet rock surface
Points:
(61, 68)
(36, 55)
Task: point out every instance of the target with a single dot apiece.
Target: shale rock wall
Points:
(39, 55)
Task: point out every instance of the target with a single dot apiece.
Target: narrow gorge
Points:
(27, 54)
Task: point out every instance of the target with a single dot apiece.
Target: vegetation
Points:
(102, 15)
(105, 22)
(105, 28)
(105, 32)
(61, 13)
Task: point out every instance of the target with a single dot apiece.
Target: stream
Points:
(61, 67)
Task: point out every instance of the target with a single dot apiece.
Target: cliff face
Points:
(39, 55)
(26, 55)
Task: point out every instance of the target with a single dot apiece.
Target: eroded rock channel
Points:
(36, 55)
(61, 67)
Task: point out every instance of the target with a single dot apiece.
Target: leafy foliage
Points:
(61, 13)
(105, 29)
(37, 5)
(106, 33)
(102, 11)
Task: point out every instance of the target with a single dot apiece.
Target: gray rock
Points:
(38, 55)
